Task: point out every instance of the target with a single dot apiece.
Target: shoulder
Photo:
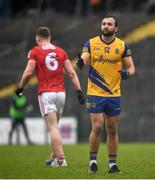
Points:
(34, 49)
(61, 52)
(87, 45)
(125, 47)
(92, 39)
(95, 39)
(119, 41)
(33, 52)
(59, 49)
(122, 42)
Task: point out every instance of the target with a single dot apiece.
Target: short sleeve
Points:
(127, 51)
(86, 47)
(32, 54)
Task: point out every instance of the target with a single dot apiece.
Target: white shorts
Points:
(51, 102)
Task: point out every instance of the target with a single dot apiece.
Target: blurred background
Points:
(72, 23)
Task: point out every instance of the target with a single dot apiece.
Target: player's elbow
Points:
(72, 75)
(133, 71)
(28, 74)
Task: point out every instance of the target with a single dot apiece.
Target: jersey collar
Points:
(106, 42)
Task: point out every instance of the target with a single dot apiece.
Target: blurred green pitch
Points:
(135, 161)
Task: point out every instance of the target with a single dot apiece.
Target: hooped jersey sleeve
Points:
(127, 51)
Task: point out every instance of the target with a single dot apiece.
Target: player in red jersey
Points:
(49, 61)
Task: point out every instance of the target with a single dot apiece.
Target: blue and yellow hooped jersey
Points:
(106, 60)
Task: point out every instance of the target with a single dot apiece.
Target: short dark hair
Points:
(43, 32)
(110, 16)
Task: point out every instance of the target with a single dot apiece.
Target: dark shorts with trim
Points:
(107, 105)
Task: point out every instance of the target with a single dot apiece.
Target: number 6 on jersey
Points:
(51, 62)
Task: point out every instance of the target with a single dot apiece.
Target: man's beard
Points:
(108, 34)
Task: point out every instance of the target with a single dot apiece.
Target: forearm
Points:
(75, 81)
(129, 65)
(82, 60)
(85, 56)
(27, 73)
(25, 79)
(76, 84)
(131, 70)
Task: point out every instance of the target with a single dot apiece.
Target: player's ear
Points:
(116, 29)
(50, 38)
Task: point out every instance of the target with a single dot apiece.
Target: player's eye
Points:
(109, 24)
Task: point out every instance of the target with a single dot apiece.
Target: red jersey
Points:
(49, 67)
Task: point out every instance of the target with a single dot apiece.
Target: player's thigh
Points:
(61, 96)
(51, 119)
(112, 113)
(113, 106)
(51, 102)
(47, 103)
(111, 121)
(97, 119)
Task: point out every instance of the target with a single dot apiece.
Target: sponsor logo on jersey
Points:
(96, 48)
(102, 60)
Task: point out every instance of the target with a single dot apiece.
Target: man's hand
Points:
(80, 62)
(80, 97)
(19, 92)
(125, 74)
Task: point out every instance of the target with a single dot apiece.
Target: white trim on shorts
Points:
(51, 102)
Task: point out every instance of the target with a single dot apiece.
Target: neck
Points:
(45, 42)
(108, 39)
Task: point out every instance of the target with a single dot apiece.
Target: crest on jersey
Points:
(116, 51)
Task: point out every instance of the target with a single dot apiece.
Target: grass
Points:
(136, 161)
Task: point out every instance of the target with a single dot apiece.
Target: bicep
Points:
(68, 67)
